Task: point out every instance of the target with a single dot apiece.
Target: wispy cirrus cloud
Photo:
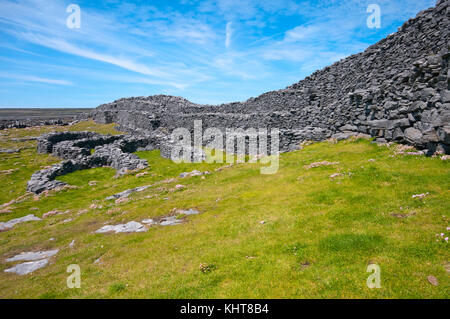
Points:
(30, 78)
(234, 48)
(228, 34)
(66, 47)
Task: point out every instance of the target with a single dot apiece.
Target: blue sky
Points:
(208, 51)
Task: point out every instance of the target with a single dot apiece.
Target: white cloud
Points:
(290, 53)
(301, 33)
(65, 47)
(158, 45)
(228, 32)
(180, 86)
(182, 29)
(30, 78)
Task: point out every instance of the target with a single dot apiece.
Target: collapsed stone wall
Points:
(75, 147)
(396, 90)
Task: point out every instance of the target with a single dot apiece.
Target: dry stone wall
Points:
(75, 148)
(396, 90)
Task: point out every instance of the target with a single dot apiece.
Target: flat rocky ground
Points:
(308, 231)
(41, 114)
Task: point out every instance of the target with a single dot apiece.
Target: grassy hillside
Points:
(296, 234)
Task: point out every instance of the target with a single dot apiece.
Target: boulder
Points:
(413, 136)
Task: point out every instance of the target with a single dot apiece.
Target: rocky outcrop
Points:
(76, 148)
(396, 90)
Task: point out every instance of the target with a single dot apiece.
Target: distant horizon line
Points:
(46, 108)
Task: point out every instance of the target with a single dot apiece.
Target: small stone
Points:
(403, 215)
(304, 265)
(141, 174)
(318, 164)
(420, 195)
(433, 280)
(187, 212)
(51, 213)
(205, 268)
(122, 200)
(193, 173)
(82, 211)
(8, 171)
(8, 203)
(447, 267)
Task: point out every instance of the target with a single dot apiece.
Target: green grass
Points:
(318, 236)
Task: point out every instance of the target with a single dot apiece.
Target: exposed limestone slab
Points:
(10, 151)
(318, 164)
(11, 223)
(27, 267)
(170, 221)
(190, 211)
(193, 173)
(128, 192)
(34, 261)
(131, 227)
(32, 256)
